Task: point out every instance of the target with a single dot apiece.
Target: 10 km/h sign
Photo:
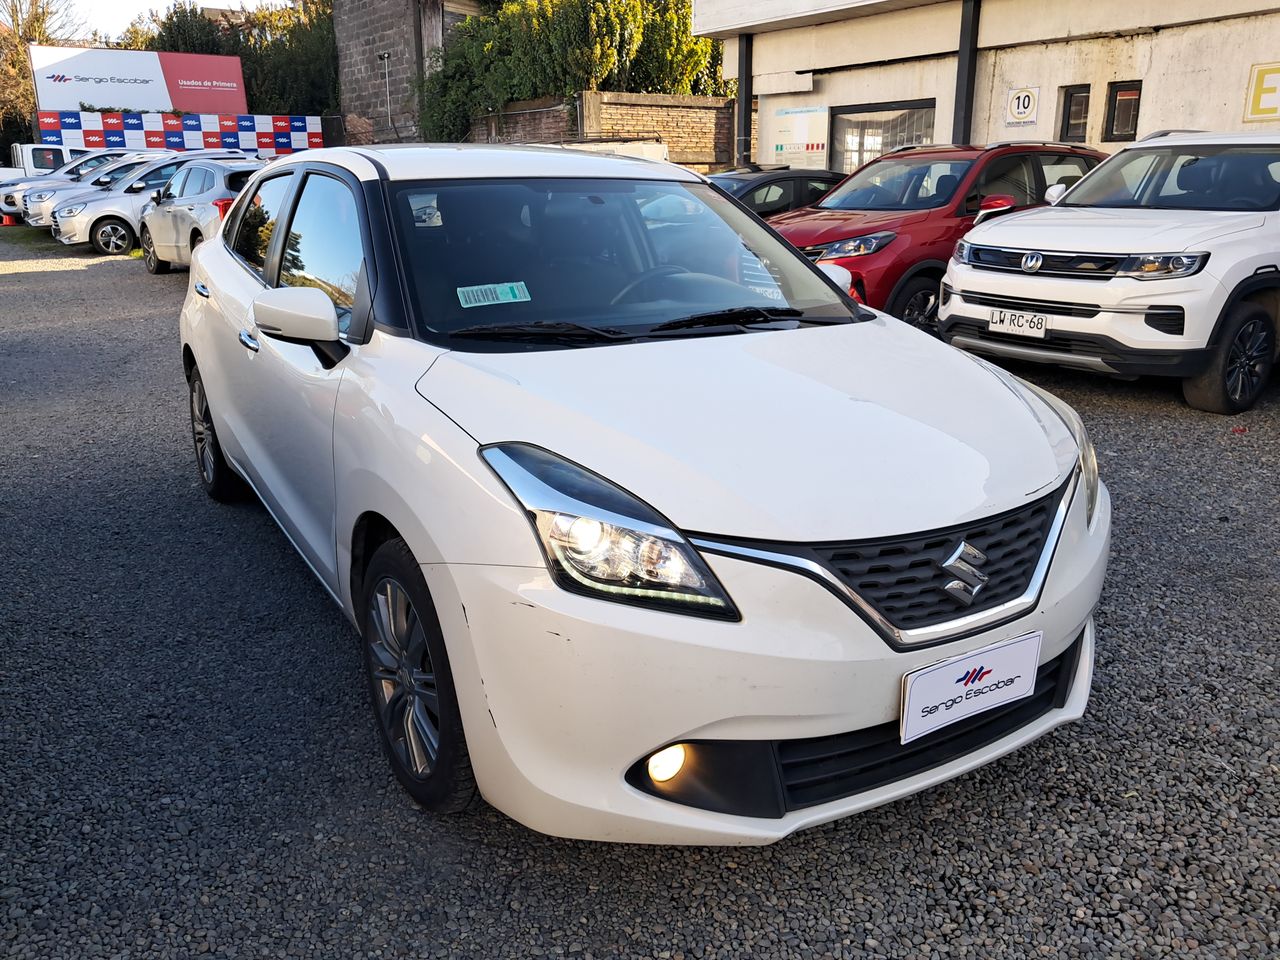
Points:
(1022, 107)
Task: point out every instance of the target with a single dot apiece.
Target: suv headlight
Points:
(40, 197)
(601, 541)
(858, 246)
(961, 253)
(1161, 266)
(72, 210)
(1088, 456)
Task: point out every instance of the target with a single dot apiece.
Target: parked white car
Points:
(73, 171)
(651, 533)
(38, 203)
(189, 208)
(109, 219)
(1164, 260)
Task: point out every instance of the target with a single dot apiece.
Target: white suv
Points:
(491, 393)
(1164, 260)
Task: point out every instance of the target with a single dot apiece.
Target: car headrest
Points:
(946, 185)
(1198, 174)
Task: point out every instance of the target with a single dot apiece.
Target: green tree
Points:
(671, 58)
(185, 29)
(23, 22)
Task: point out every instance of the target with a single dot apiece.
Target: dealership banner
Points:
(66, 77)
(265, 135)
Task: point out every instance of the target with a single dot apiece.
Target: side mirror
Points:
(136, 187)
(296, 313)
(157, 197)
(993, 206)
(838, 275)
(1055, 193)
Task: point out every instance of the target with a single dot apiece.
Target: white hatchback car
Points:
(651, 533)
(1164, 260)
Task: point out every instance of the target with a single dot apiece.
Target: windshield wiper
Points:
(742, 317)
(539, 330)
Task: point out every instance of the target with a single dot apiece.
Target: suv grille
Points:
(1058, 309)
(903, 579)
(1080, 266)
(26, 206)
(819, 769)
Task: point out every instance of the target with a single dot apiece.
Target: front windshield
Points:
(110, 175)
(1184, 178)
(613, 256)
(898, 183)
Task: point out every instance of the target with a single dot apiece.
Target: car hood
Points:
(1102, 230)
(813, 225)
(822, 433)
(28, 182)
(75, 192)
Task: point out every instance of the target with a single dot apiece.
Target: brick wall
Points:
(547, 120)
(363, 29)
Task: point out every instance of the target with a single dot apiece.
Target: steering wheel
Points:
(666, 270)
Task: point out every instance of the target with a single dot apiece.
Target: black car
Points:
(769, 190)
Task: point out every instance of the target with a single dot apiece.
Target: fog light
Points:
(666, 763)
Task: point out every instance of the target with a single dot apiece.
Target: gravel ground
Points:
(187, 764)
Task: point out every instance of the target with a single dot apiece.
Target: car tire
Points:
(917, 303)
(153, 263)
(1241, 365)
(411, 687)
(112, 236)
(220, 482)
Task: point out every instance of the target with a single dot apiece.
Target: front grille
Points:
(1057, 309)
(1079, 266)
(26, 206)
(903, 579)
(8, 198)
(820, 769)
(1060, 341)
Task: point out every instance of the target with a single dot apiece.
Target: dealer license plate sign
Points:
(956, 689)
(1018, 323)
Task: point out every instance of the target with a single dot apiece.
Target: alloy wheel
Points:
(202, 431)
(148, 250)
(1247, 360)
(404, 681)
(921, 310)
(113, 237)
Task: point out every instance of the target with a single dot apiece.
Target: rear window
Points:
(236, 181)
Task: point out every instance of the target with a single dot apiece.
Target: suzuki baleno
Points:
(650, 533)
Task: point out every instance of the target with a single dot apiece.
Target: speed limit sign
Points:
(1022, 106)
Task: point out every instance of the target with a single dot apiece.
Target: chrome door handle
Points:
(246, 339)
(202, 290)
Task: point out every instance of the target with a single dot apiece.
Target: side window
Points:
(1064, 170)
(324, 249)
(161, 175)
(258, 222)
(772, 197)
(815, 190)
(198, 181)
(46, 159)
(1012, 176)
(174, 187)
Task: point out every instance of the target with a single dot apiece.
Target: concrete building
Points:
(384, 47)
(841, 81)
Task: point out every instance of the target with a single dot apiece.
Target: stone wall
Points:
(547, 120)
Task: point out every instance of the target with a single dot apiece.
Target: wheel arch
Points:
(1260, 288)
(937, 268)
(370, 532)
(98, 220)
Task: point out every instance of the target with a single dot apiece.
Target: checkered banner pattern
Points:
(253, 133)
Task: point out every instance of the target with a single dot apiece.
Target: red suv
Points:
(894, 222)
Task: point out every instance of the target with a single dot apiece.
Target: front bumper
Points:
(70, 230)
(562, 694)
(874, 275)
(1120, 326)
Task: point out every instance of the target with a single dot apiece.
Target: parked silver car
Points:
(188, 209)
(75, 170)
(38, 202)
(109, 219)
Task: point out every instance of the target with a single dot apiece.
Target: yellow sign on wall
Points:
(1262, 101)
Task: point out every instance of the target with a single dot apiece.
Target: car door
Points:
(136, 197)
(182, 221)
(286, 392)
(160, 218)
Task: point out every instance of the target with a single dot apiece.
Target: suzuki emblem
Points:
(963, 564)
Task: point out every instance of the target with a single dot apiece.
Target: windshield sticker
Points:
(488, 294)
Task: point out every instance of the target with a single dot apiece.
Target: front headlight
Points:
(1162, 266)
(601, 541)
(72, 210)
(1088, 455)
(41, 196)
(961, 253)
(858, 246)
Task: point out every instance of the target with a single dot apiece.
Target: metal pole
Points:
(966, 72)
(742, 117)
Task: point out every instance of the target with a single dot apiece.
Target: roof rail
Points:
(1036, 143)
(1156, 134)
(928, 146)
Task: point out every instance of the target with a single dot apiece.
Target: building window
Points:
(1075, 114)
(1123, 100)
(863, 132)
